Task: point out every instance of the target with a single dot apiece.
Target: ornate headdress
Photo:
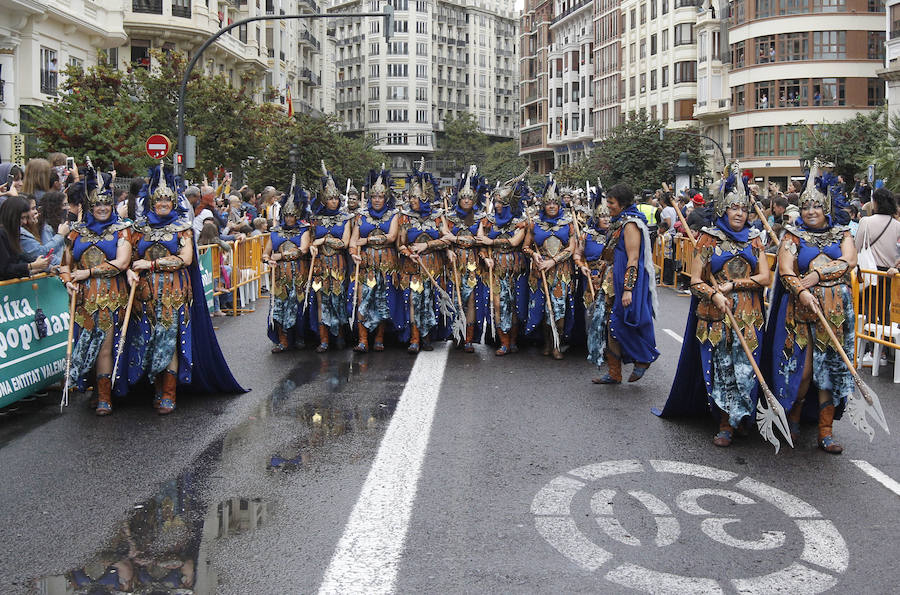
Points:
(467, 185)
(351, 189)
(329, 188)
(819, 185)
(599, 208)
(734, 190)
(296, 201)
(414, 181)
(512, 191)
(379, 182)
(95, 187)
(551, 192)
(162, 185)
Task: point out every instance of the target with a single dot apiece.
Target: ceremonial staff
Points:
(590, 282)
(64, 402)
(123, 332)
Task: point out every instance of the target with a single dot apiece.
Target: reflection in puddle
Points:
(241, 515)
(327, 423)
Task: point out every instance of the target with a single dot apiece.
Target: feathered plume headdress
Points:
(512, 191)
(551, 192)
(296, 201)
(813, 193)
(731, 192)
(162, 184)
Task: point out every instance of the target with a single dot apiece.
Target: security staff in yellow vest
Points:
(648, 210)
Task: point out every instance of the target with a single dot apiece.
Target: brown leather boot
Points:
(167, 404)
(363, 345)
(726, 432)
(470, 337)
(282, 341)
(323, 339)
(379, 338)
(104, 394)
(557, 354)
(614, 370)
(414, 339)
(826, 440)
(504, 343)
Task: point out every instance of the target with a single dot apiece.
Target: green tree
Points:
(847, 144)
(502, 161)
(462, 141)
(576, 174)
(96, 114)
(885, 155)
(634, 154)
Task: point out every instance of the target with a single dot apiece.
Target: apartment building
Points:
(713, 93)
(37, 42)
(443, 59)
(797, 63)
(534, 44)
(570, 71)
(891, 71)
(608, 90)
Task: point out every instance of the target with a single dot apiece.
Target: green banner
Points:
(29, 363)
(206, 273)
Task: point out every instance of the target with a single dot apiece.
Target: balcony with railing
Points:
(48, 82)
(309, 76)
(573, 8)
(311, 4)
(309, 38)
(2, 95)
(147, 6)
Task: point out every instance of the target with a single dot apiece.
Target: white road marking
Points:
(878, 475)
(823, 545)
(367, 557)
(601, 502)
(674, 335)
(796, 579)
(790, 505)
(652, 581)
(606, 468)
(687, 500)
(612, 527)
(668, 530)
(715, 530)
(563, 534)
(555, 497)
(701, 471)
(651, 502)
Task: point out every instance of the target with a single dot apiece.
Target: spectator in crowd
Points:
(11, 180)
(39, 178)
(778, 208)
(696, 219)
(49, 228)
(58, 165)
(14, 214)
(192, 196)
(209, 235)
(127, 209)
(248, 203)
(668, 212)
(259, 227)
(882, 230)
(74, 206)
(203, 208)
(853, 211)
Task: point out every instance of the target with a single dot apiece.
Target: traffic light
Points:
(179, 159)
(388, 22)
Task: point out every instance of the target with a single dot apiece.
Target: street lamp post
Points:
(710, 139)
(387, 14)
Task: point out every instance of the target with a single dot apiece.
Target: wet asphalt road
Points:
(533, 480)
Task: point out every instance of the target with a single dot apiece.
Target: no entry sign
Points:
(158, 146)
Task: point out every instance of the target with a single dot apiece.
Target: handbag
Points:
(865, 259)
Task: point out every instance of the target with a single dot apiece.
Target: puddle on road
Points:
(163, 545)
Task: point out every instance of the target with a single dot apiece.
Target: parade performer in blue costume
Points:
(504, 231)
(171, 338)
(729, 271)
(815, 259)
(551, 246)
(462, 225)
(423, 252)
(599, 294)
(97, 254)
(288, 251)
(331, 228)
(373, 248)
(628, 250)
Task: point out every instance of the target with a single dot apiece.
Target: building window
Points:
(876, 92)
(737, 142)
(421, 49)
(738, 14)
(876, 5)
(375, 26)
(633, 19)
(421, 116)
(684, 34)
(665, 77)
(632, 87)
(764, 141)
(685, 72)
(642, 52)
(76, 62)
(664, 6)
(147, 6)
(421, 71)
(140, 53)
(664, 40)
(398, 70)
(401, 27)
(643, 80)
(396, 138)
(398, 115)
(737, 98)
(632, 53)
(398, 92)
(665, 112)
(423, 140)
(737, 54)
(374, 116)
(829, 45)
(643, 13)
(829, 91)
(374, 92)
(421, 26)
(876, 45)
(764, 94)
(398, 48)
(788, 140)
(421, 6)
(112, 58)
(374, 49)
(765, 8)
(374, 71)
(793, 46)
(793, 93)
(653, 80)
(399, 4)
(829, 6)
(421, 93)
(181, 8)
(653, 44)
(765, 49)
(652, 9)
(794, 6)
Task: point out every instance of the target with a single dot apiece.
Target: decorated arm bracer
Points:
(105, 270)
(436, 245)
(746, 284)
(167, 263)
(564, 255)
(528, 251)
(377, 241)
(336, 243)
(792, 284)
(501, 243)
(831, 271)
(65, 277)
(630, 278)
(702, 290)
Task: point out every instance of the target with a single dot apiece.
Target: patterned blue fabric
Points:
(732, 384)
(424, 308)
(596, 319)
(375, 302)
(334, 312)
(563, 306)
(153, 345)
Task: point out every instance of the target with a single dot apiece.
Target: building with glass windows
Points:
(891, 70)
(534, 43)
(795, 64)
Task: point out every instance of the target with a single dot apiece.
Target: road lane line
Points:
(878, 475)
(673, 334)
(367, 557)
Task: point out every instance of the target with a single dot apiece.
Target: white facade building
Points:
(571, 74)
(659, 59)
(891, 70)
(713, 94)
(38, 39)
(443, 59)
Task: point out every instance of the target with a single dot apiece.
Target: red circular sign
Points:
(158, 146)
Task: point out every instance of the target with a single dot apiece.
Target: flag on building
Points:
(290, 103)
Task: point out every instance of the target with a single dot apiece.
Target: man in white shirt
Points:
(207, 197)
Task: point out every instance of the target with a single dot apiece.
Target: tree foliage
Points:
(848, 144)
(462, 141)
(885, 155)
(502, 161)
(634, 154)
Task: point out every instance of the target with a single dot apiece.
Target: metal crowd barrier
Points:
(247, 271)
(877, 308)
